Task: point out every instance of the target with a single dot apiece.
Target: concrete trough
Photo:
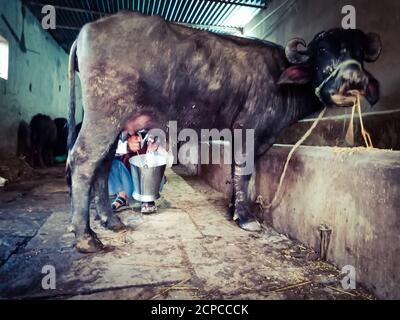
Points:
(355, 192)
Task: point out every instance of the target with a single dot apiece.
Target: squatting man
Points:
(133, 141)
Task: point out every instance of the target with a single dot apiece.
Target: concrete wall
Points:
(354, 192)
(37, 79)
(285, 19)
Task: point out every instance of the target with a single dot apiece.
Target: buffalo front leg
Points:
(242, 170)
(241, 209)
(108, 218)
(89, 152)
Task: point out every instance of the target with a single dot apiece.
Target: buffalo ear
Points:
(373, 90)
(299, 74)
(373, 47)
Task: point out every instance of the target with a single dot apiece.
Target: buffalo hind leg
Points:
(88, 154)
(108, 218)
(40, 161)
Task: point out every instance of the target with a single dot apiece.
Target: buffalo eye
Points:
(321, 50)
(330, 69)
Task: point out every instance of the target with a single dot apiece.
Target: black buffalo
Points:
(132, 65)
(60, 146)
(24, 148)
(43, 133)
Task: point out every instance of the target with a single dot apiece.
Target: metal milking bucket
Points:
(147, 173)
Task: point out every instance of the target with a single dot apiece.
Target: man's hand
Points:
(134, 143)
(152, 145)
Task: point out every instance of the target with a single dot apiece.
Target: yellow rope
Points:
(365, 134)
(350, 132)
(259, 199)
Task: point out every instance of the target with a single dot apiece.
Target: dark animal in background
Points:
(78, 128)
(130, 64)
(43, 139)
(60, 147)
(24, 148)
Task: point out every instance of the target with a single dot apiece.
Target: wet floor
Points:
(190, 249)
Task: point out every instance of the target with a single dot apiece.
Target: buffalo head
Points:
(334, 63)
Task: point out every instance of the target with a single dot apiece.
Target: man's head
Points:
(334, 63)
(139, 121)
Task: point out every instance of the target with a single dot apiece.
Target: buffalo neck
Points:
(301, 103)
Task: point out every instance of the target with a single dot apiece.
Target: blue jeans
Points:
(120, 179)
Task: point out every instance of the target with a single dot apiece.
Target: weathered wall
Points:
(285, 19)
(37, 79)
(353, 191)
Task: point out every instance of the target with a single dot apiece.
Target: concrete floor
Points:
(189, 250)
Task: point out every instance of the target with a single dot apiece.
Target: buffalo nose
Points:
(354, 76)
(351, 74)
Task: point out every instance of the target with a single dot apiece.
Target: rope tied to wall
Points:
(367, 139)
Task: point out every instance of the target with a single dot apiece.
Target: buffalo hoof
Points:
(89, 243)
(114, 224)
(252, 225)
(248, 224)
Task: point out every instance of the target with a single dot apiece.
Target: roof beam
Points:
(238, 3)
(71, 9)
(199, 26)
(67, 27)
(213, 27)
(81, 10)
(92, 15)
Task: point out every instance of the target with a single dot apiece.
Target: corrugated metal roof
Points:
(228, 16)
